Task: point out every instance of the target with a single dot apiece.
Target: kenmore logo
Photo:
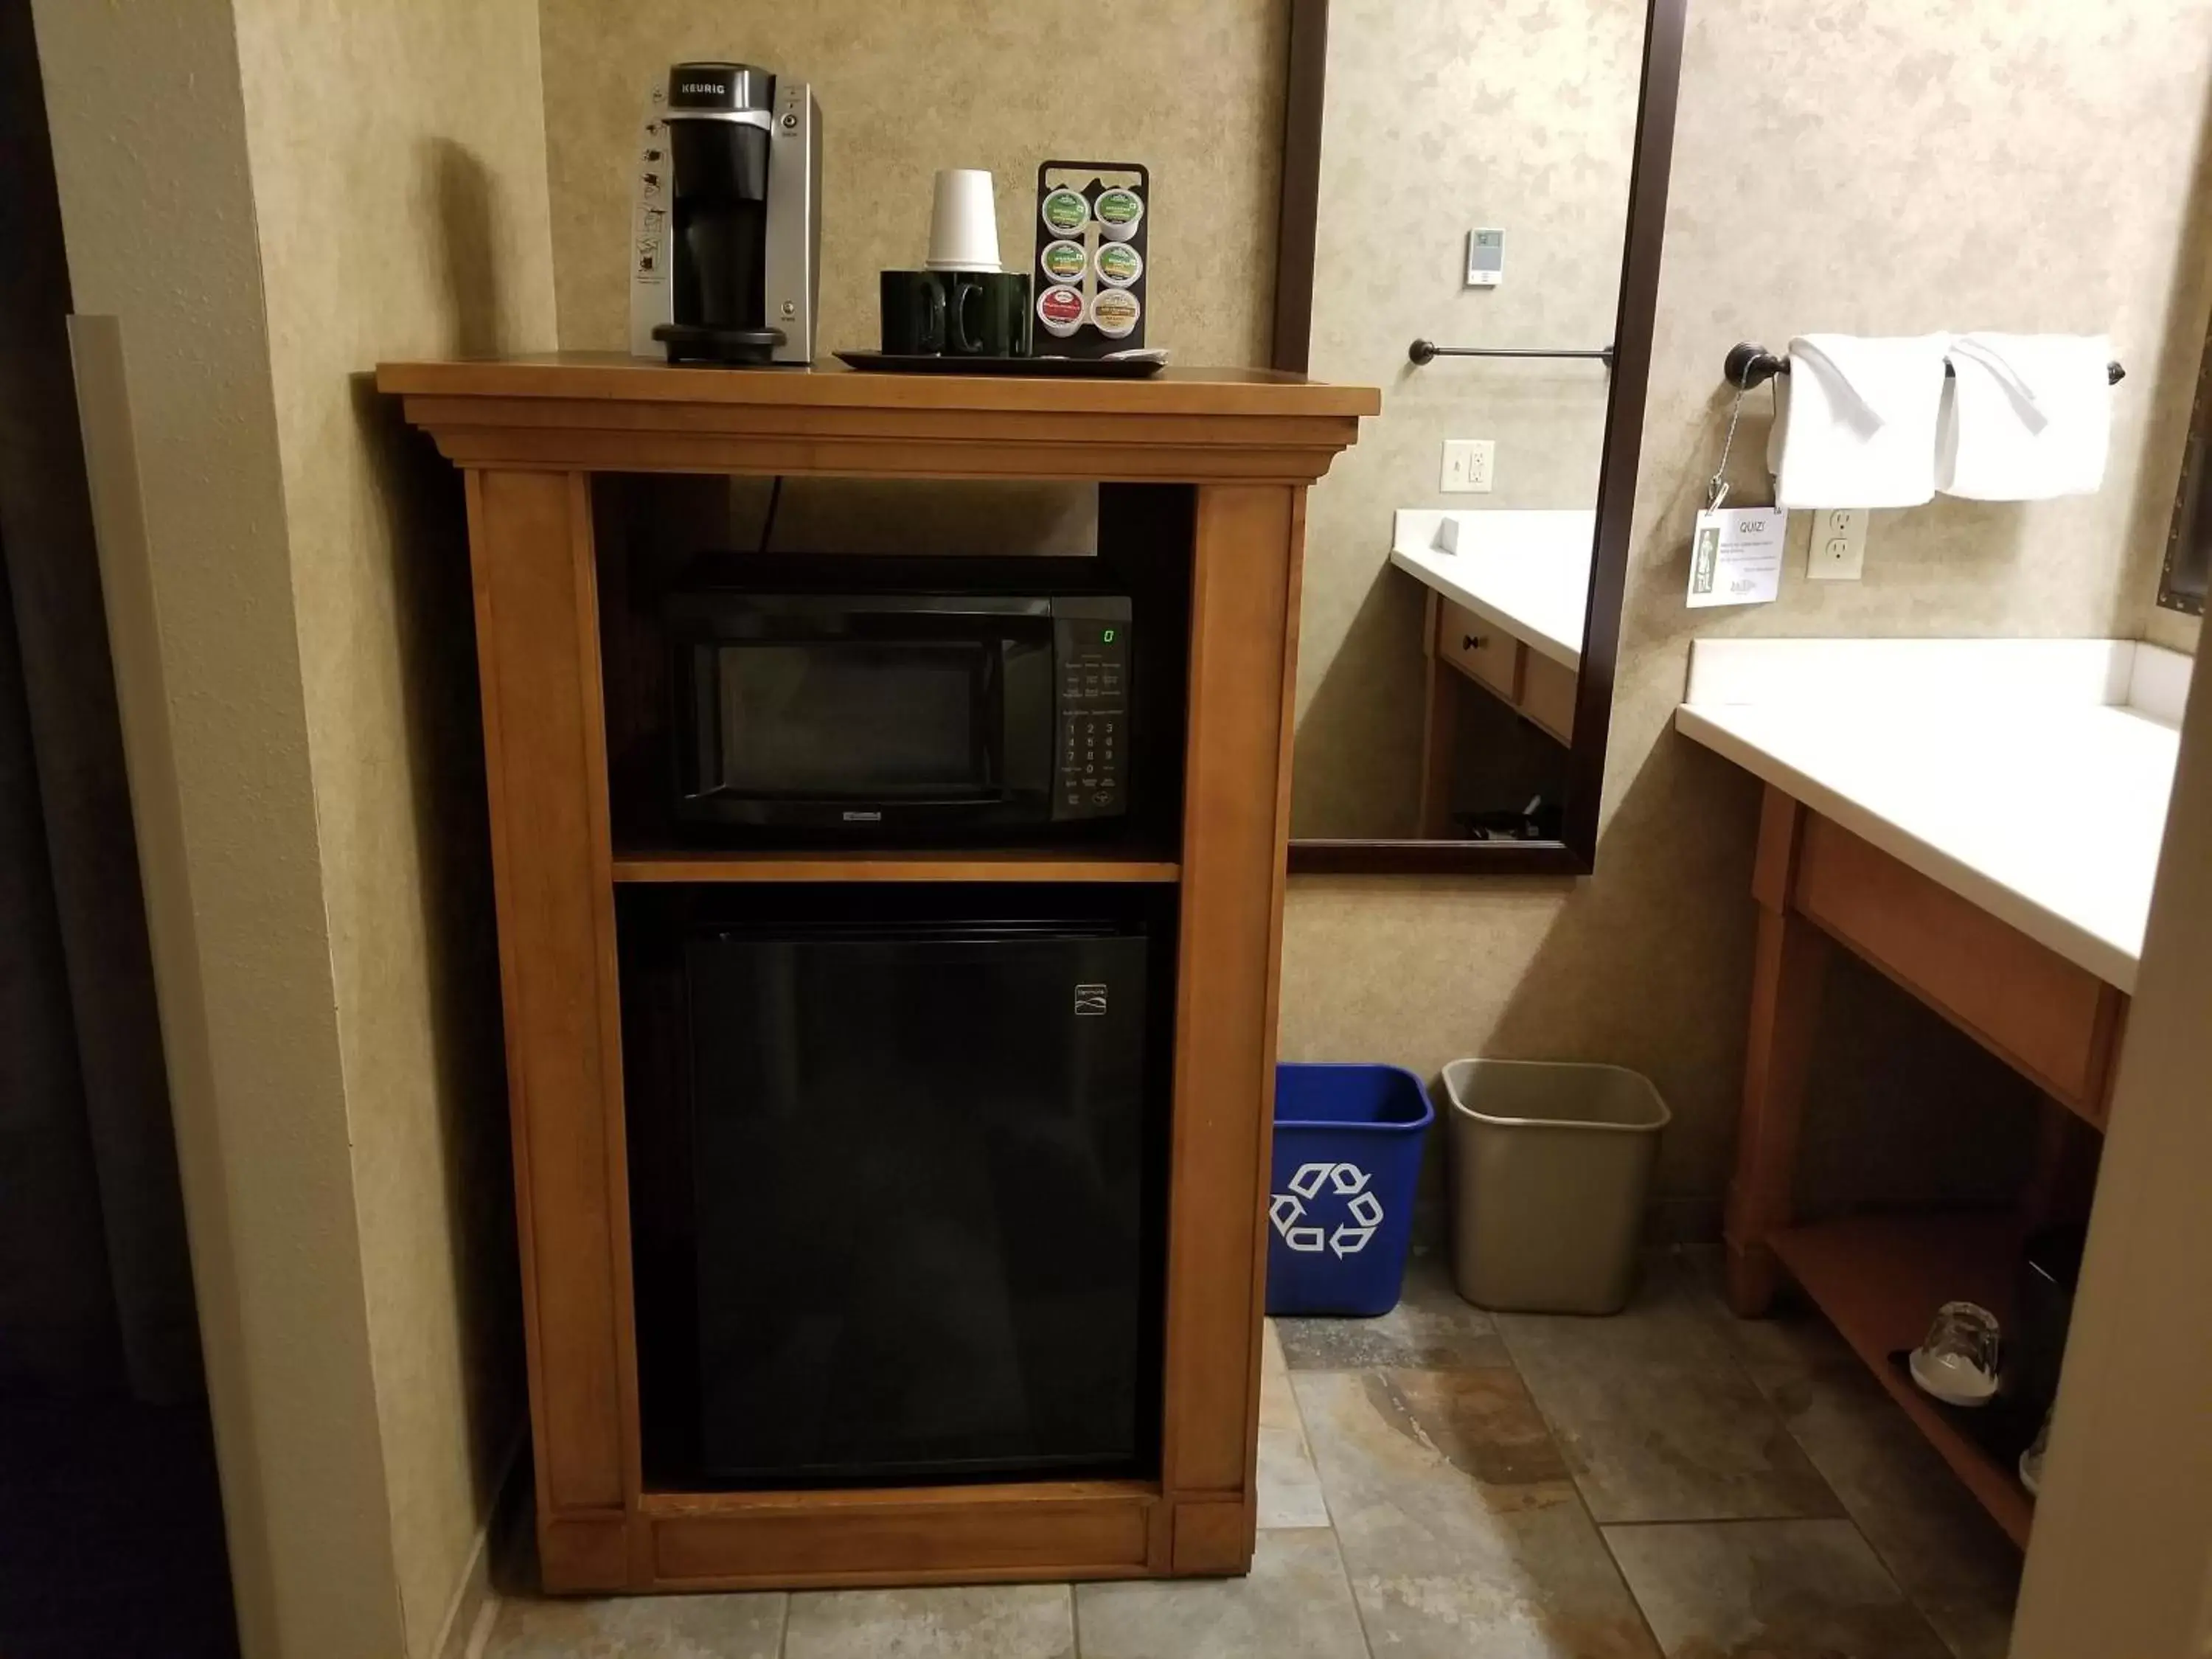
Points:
(864, 818)
(1089, 999)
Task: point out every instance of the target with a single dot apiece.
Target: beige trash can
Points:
(1550, 1165)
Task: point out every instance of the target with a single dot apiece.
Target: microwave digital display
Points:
(911, 710)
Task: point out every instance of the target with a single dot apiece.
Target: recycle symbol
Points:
(1287, 1210)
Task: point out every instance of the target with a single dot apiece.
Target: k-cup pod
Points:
(1065, 211)
(1119, 213)
(1060, 310)
(1119, 264)
(964, 221)
(1063, 261)
(1114, 312)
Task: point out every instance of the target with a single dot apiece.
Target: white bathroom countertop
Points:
(2029, 776)
(1524, 571)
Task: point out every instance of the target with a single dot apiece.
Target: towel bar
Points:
(1422, 351)
(1749, 366)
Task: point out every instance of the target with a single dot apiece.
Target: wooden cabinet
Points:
(531, 434)
(1548, 694)
(1478, 649)
(1532, 684)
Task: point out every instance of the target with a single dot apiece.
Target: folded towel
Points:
(1857, 428)
(2026, 416)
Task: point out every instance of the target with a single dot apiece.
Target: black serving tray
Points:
(1088, 368)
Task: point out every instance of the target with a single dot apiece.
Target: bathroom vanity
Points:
(1981, 821)
(1506, 606)
(1202, 477)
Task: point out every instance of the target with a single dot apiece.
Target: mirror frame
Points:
(1576, 852)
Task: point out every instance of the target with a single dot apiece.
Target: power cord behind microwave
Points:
(768, 519)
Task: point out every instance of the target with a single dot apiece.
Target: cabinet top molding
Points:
(605, 412)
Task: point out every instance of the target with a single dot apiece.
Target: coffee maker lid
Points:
(706, 87)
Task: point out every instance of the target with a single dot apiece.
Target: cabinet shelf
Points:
(964, 863)
(1880, 1279)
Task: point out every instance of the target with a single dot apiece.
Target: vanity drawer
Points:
(1548, 695)
(1478, 649)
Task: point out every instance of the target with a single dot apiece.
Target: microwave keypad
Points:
(1093, 722)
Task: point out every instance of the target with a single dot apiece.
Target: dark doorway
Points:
(111, 1519)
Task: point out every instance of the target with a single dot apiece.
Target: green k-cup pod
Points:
(1061, 311)
(1115, 311)
(1063, 261)
(1119, 210)
(1065, 211)
(1119, 264)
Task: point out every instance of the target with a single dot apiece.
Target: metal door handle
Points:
(1471, 641)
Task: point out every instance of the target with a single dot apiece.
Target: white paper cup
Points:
(964, 221)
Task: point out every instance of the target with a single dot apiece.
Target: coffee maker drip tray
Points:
(700, 343)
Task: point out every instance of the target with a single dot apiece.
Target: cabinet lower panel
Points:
(1010, 1533)
(950, 1536)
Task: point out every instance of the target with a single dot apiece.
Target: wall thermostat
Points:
(1485, 257)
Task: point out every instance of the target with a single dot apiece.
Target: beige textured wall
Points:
(399, 163)
(158, 213)
(1434, 123)
(1194, 92)
(1981, 130)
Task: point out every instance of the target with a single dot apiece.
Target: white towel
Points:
(1858, 425)
(2026, 416)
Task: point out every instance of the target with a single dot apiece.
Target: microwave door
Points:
(895, 718)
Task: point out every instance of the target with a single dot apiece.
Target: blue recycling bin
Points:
(1341, 1204)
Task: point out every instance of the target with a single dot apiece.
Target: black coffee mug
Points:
(914, 312)
(987, 313)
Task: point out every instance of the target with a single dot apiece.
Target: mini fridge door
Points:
(921, 1171)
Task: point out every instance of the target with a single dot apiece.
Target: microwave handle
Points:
(705, 723)
(1022, 719)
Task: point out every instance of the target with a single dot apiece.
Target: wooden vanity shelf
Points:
(1877, 1277)
(1234, 451)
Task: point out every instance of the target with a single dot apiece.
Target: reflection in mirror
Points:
(1475, 165)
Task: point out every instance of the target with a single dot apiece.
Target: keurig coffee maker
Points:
(725, 260)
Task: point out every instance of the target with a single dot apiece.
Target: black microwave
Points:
(900, 712)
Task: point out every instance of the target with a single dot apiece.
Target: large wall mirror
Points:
(1473, 202)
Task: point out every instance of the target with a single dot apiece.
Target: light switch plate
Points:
(1838, 550)
(1468, 462)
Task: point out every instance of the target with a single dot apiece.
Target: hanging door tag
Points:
(1736, 555)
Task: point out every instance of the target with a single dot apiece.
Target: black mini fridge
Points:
(925, 1205)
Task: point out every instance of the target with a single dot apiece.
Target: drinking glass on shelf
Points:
(1957, 1361)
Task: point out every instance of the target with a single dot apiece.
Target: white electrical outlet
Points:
(1837, 552)
(1468, 464)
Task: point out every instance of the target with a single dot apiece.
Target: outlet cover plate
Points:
(1468, 465)
(1838, 550)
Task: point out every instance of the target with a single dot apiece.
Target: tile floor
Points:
(1443, 1481)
